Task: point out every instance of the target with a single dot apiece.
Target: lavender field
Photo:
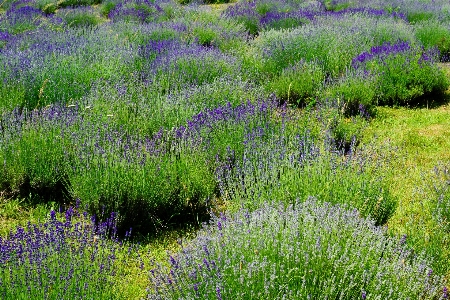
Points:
(273, 149)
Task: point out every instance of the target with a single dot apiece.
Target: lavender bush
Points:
(178, 65)
(330, 41)
(298, 84)
(139, 174)
(20, 17)
(403, 72)
(135, 11)
(288, 164)
(47, 67)
(301, 251)
(79, 17)
(72, 256)
(435, 34)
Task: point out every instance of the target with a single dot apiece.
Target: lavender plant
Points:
(20, 17)
(356, 90)
(79, 17)
(47, 67)
(138, 174)
(288, 165)
(299, 251)
(403, 72)
(298, 84)
(136, 11)
(70, 257)
(178, 65)
(434, 34)
(330, 41)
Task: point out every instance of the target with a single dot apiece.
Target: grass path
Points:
(418, 140)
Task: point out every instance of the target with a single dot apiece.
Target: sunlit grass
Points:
(419, 142)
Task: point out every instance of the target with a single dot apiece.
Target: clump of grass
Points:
(78, 17)
(299, 251)
(298, 84)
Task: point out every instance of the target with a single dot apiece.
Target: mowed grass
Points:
(418, 140)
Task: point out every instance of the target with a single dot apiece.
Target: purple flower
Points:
(173, 262)
(53, 215)
(383, 51)
(219, 295)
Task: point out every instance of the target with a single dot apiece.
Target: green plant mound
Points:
(302, 251)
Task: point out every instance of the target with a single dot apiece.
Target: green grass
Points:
(18, 212)
(417, 141)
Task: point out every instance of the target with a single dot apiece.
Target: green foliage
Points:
(160, 189)
(35, 162)
(285, 166)
(81, 19)
(420, 16)
(347, 133)
(106, 7)
(330, 42)
(351, 92)
(205, 36)
(403, 78)
(433, 33)
(298, 84)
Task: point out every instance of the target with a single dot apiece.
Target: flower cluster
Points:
(380, 52)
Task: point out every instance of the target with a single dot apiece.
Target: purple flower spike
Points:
(53, 215)
(219, 295)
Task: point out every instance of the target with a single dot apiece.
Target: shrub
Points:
(353, 91)
(179, 65)
(21, 17)
(286, 165)
(55, 259)
(403, 72)
(330, 41)
(300, 251)
(107, 7)
(79, 17)
(51, 67)
(140, 11)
